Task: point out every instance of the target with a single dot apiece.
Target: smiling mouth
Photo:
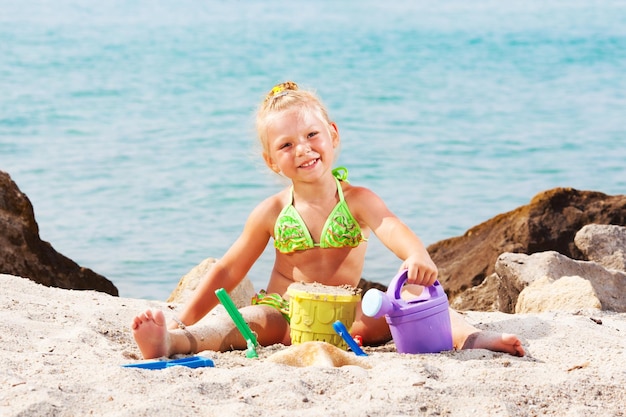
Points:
(309, 163)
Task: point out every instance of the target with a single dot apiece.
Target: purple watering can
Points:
(420, 325)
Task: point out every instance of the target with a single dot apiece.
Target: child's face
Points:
(301, 144)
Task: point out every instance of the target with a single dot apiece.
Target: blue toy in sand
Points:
(190, 362)
(342, 331)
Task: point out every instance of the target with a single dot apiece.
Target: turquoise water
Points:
(129, 124)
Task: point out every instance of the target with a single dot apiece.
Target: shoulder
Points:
(268, 210)
(364, 203)
(356, 194)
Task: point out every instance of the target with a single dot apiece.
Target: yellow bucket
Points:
(313, 308)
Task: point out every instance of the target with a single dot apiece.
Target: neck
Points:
(318, 192)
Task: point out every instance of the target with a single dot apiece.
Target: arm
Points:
(396, 236)
(231, 269)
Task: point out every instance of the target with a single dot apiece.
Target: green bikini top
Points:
(340, 230)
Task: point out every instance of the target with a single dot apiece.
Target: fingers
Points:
(422, 275)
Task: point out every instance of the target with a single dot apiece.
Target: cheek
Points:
(280, 159)
(269, 161)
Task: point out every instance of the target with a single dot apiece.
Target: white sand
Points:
(62, 351)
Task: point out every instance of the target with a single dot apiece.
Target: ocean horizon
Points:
(129, 125)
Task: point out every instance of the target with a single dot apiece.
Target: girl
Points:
(319, 226)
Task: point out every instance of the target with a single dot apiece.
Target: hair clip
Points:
(277, 91)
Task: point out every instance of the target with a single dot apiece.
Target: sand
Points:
(62, 353)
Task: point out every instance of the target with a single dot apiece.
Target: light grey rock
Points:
(604, 244)
(548, 281)
(568, 294)
(241, 295)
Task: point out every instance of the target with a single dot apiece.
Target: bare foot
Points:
(151, 334)
(497, 342)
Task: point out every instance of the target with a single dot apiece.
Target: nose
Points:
(303, 147)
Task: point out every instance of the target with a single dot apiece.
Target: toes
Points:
(148, 315)
(158, 317)
(145, 317)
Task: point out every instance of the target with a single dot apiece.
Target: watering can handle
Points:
(396, 284)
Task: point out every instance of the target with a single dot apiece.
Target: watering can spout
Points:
(376, 303)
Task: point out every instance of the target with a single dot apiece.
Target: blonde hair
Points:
(283, 97)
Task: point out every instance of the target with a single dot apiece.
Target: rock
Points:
(241, 295)
(23, 253)
(480, 297)
(366, 285)
(548, 223)
(565, 294)
(550, 281)
(604, 244)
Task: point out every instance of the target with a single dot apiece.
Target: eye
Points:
(312, 134)
(284, 146)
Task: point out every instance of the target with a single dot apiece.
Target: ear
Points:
(270, 163)
(334, 133)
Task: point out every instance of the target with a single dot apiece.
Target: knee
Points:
(373, 332)
(268, 323)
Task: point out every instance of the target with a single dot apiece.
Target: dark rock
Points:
(23, 253)
(365, 285)
(548, 223)
(481, 297)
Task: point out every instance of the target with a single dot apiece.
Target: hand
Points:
(421, 270)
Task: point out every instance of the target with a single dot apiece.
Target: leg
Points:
(466, 336)
(373, 331)
(216, 333)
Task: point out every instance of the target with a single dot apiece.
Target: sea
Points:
(129, 124)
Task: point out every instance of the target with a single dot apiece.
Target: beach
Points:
(131, 126)
(63, 352)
